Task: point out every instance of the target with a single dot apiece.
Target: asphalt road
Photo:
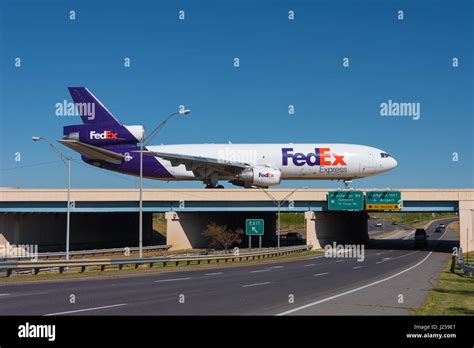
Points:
(386, 227)
(297, 286)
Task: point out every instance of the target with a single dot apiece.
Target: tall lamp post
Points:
(279, 204)
(67, 161)
(145, 141)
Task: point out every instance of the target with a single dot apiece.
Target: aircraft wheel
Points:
(214, 186)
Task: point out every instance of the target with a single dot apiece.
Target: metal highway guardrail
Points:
(466, 268)
(90, 252)
(102, 264)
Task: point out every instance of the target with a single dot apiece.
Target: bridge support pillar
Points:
(183, 230)
(341, 227)
(466, 225)
(311, 237)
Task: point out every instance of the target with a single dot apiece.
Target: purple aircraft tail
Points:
(105, 142)
(100, 127)
(91, 110)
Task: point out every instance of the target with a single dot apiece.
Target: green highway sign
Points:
(383, 200)
(346, 200)
(254, 227)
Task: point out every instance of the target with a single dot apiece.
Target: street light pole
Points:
(279, 203)
(140, 223)
(143, 142)
(68, 212)
(66, 160)
(279, 225)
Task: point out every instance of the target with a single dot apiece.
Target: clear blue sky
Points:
(283, 62)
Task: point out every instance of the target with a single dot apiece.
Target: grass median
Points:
(454, 294)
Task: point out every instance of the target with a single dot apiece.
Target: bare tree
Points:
(221, 236)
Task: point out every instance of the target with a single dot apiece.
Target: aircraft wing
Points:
(203, 165)
(93, 151)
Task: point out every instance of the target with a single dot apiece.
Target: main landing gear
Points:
(210, 186)
(213, 182)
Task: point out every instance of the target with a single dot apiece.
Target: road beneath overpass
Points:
(317, 284)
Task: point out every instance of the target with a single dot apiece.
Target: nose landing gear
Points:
(346, 184)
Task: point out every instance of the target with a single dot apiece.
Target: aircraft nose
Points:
(393, 163)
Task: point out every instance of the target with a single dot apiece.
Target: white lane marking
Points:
(275, 267)
(19, 294)
(385, 252)
(320, 274)
(359, 288)
(309, 265)
(171, 280)
(353, 290)
(357, 267)
(212, 274)
(315, 257)
(384, 259)
(340, 261)
(260, 270)
(397, 257)
(86, 309)
(255, 284)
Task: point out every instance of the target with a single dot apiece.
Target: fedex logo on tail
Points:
(322, 156)
(104, 135)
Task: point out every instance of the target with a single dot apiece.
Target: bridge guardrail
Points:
(61, 265)
(91, 252)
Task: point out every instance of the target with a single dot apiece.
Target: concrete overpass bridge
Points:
(36, 215)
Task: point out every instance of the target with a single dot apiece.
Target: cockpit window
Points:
(384, 155)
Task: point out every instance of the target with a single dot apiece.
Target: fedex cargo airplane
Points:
(104, 142)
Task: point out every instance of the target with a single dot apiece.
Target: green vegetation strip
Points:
(454, 295)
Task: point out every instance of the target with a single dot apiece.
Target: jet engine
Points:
(258, 176)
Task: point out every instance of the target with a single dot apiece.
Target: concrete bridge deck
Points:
(163, 200)
(180, 204)
(302, 194)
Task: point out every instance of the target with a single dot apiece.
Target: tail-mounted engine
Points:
(104, 135)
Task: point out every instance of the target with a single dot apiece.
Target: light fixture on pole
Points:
(279, 204)
(67, 161)
(145, 141)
